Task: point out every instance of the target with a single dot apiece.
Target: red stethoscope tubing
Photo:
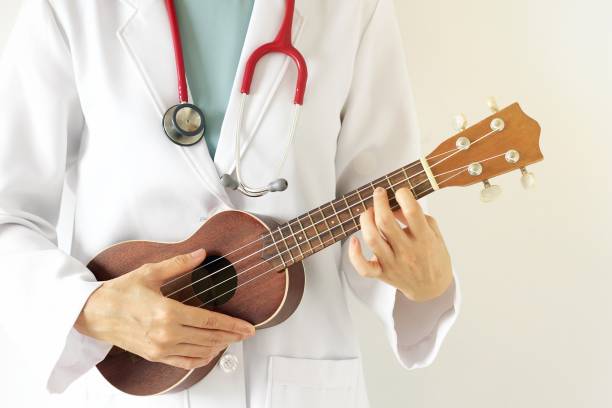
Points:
(282, 45)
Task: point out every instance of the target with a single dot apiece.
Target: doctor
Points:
(84, 86)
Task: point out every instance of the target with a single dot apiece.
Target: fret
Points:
(363, 202)
(354, 202)
(325, 231)
(287, 244)
(282, 253)
(279, 253)
(296, 239)
(325, 218)
(337, 214)
(390, 184)
(408, 180)
(316, 230)
(308, 238)
(350, 212)
(337, 219)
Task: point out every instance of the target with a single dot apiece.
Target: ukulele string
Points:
(453, 152)
(351, 230)
(279, 230)
(267, 235)
(288, 250)
(260, 251)
(352, 218)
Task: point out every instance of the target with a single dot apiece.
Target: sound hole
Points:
(214, 282)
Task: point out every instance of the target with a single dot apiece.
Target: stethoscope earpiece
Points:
(184, 123)
(230, 182)
(278, 185)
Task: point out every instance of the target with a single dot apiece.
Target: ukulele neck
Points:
(336, 220)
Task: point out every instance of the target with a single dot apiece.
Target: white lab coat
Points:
(83, 87)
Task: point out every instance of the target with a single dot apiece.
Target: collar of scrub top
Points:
(282, 44)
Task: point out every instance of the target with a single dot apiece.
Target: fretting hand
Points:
(413, 259)
(130, 312)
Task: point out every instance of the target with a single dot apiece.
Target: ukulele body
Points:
(242, 276)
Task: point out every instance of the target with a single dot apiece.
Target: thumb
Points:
(171, 268)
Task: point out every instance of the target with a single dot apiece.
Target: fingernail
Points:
(248, 330)
(379, 190)
(197, 253)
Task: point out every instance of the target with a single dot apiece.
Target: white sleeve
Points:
(44, 289)
(380, 134)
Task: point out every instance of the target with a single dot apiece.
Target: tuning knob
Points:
(460, 122)
(492, 104)
(489, 192)
(527, 179)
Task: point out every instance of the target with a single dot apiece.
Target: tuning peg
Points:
(492, 104)
(527, 179)
(460, 122)
(489, 192)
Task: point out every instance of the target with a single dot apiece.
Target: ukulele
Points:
(253, 270)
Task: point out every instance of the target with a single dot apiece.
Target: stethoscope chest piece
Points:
(184, 124)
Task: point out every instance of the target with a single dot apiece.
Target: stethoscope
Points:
(185, 125)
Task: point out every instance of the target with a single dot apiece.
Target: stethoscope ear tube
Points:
(184, 123)
(238, 183)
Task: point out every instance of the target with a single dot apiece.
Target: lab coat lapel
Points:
(263, 27)
(147, 40)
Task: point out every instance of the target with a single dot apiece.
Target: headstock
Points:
(506, 141)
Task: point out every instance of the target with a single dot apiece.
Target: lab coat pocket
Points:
(309, 383)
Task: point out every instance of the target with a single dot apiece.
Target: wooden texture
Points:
(266, 294)
(266, 288)
(520, 133)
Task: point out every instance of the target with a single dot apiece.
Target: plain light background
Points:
(535, 267)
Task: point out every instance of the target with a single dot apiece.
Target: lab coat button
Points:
(229, 363)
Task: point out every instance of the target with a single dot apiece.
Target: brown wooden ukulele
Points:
(253, 270)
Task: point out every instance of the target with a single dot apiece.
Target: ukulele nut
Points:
(475, 169)
(497, 125)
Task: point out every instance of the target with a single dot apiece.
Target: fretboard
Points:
(336, 220)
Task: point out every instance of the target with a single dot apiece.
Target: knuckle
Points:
(147, 269)
(387, 221)
(214, 340)
(155, 353)
(411, 211)
(165, 315)
(370, 240)
(164, 337)
(211, 322)
(180, 260)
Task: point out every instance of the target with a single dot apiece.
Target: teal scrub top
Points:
(213, 33)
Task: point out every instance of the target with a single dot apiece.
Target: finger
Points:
(186, 363)
(372, 236)
(211, 338)
(175, 266)
(385, 220)
(364, 267)
(205, 319)
(412, 211)
(192, 350)
(433, 224)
